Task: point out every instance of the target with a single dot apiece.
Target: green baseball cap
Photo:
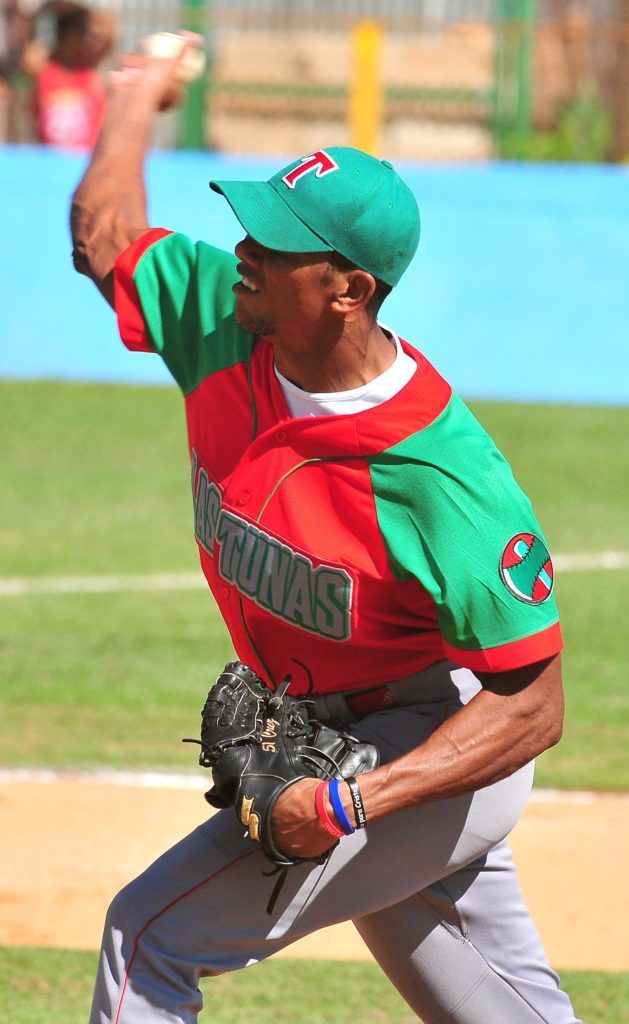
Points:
(334, 200)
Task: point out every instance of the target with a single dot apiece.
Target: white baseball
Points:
(168, 44)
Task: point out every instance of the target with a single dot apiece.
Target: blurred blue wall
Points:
(519, 290)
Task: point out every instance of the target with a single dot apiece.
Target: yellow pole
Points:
(365, 94)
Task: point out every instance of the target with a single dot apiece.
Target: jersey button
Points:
(281, 436)
(243, 499)
(224, 591)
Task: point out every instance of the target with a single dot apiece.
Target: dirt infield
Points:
(69, 844)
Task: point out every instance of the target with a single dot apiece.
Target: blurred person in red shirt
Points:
(69, 93)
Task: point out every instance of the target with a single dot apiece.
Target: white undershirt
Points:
(341, 403)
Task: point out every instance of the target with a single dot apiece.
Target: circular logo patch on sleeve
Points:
(526, 569)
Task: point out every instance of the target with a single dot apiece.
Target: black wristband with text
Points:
(357, 800)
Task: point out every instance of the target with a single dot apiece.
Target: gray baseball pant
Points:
(432, 891)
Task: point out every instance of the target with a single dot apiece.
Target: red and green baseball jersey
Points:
(346, 550)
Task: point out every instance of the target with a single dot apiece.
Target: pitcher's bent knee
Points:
(130, 910)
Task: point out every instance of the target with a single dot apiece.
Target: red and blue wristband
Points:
(322, 812)
(339, 810)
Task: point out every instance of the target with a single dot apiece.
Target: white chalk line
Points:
(191, 781)
(107, 777)
(590, 561)
(19, 586)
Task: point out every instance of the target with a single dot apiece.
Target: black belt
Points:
(352, 705)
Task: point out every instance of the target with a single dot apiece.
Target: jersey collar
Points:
(365, 433)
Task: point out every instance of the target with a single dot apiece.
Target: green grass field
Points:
(56, 987)
(95, 481)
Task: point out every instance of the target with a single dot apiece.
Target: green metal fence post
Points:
(514, 77)
(193, 123)
(524, 114)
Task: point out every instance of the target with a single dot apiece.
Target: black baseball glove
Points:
(258, 742)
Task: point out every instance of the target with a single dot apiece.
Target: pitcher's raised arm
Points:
(109, 209)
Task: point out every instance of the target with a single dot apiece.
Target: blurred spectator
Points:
(69, 94)
(14, 33)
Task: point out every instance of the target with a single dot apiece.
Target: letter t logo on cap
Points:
(321, 162)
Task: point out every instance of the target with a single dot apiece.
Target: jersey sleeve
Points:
(454, 518)
(174, 297)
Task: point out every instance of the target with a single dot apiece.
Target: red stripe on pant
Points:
(164, 910)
